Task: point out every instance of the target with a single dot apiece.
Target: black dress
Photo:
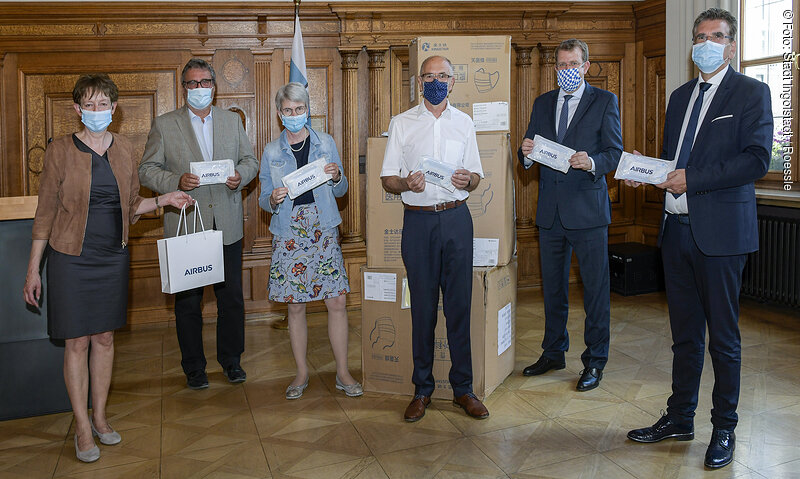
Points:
(88, 294)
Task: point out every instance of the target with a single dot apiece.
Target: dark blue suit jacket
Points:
(731, 150)
(581, 197)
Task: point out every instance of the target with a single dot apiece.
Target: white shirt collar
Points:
(422, 109)
(576, 94)
(716, 79)
(192, 115)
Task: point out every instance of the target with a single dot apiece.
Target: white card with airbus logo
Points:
(550, 153)
(437, 173)
(306, 178)
(644, 169)
(213, 172)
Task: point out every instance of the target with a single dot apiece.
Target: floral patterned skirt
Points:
(308, 265)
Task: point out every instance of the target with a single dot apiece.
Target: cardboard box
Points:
(482, 68)
(384, 213)
(491, 205)
(387, 360)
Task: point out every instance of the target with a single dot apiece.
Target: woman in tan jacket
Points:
(88, 197)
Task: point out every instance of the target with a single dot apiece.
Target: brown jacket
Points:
(64, 188)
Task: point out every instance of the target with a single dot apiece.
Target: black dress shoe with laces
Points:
(720, 449)
(197, 380)
(663, 429)
(542, 366)
(235, 373)
(590, 379)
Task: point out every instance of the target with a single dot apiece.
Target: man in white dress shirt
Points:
(437, 230)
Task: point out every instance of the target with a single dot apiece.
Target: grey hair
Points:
(446, 60)
(293, 91)
(571, 44)
(716, 14)
(200, 64)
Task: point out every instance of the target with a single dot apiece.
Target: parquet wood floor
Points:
(539, 427)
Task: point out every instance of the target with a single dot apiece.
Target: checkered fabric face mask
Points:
(569, 79)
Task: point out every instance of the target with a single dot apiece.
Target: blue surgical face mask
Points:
(294, 123)
(708, 56)
(96, 121)
(569, 79)
(435, 91)
(199, 98)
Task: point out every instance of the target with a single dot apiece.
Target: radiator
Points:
(772, 273)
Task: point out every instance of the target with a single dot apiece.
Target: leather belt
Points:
(681, 218)
(439, 207)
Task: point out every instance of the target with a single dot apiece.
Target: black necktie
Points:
(691, 127)
(562, 119)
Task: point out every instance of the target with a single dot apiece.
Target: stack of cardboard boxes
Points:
(482, 90)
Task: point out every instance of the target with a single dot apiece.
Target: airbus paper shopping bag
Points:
(190, 260)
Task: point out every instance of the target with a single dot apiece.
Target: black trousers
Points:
(702, 291)
(230, 316)
(591, 248)
(437, 252)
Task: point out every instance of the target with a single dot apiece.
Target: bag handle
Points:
(182, 219)
(198, 215)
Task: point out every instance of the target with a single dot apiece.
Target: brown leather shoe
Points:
(416, 409)
(472, 406)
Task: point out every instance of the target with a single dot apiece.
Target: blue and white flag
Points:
(297, 68)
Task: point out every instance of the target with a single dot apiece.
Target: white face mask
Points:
(199, 98)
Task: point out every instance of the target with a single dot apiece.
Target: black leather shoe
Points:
(235, 374)
(590, 379)
(197, 380)
(664, 428)
(542, 366)
(720, 449)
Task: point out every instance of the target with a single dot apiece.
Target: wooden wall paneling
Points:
(129, 38)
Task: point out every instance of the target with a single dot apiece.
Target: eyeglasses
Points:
(192, 84)
(562, 65)
(428, 77)
(717, 37)
(297, 110)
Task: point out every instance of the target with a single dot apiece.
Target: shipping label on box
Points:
(481, 68)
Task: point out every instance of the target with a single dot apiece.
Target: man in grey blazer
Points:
(200, 132)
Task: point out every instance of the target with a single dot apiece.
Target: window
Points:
(767, 33)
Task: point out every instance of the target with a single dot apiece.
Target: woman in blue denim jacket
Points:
(307, 263)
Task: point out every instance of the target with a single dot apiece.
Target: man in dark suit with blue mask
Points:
(574, 210)
(719, 127)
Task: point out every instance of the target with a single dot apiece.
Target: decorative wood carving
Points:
(525, 184)
(352, 231)
(378, 99)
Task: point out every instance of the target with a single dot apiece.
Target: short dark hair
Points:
(201, 64)
(716, 14)
(90, 84)
(571, 44)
